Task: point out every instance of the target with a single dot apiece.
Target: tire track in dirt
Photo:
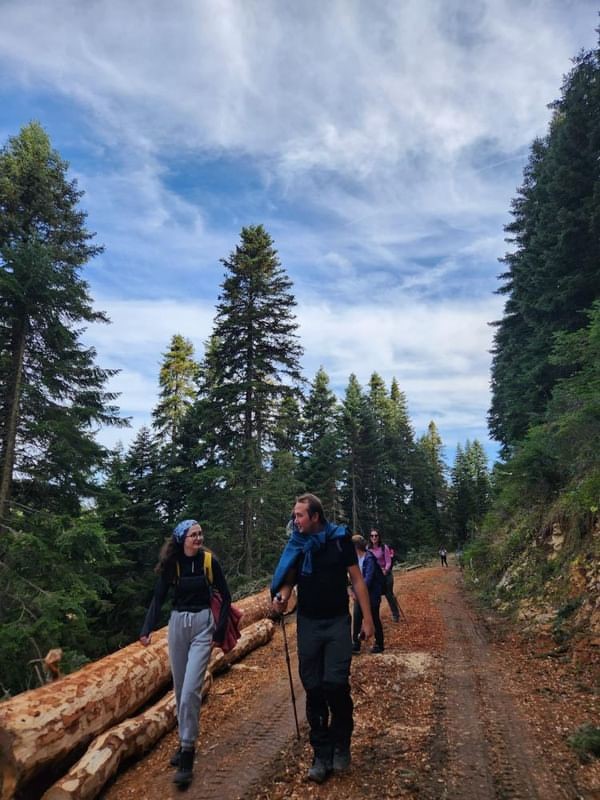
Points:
(245, 746)
(236, 748)
(486, 747)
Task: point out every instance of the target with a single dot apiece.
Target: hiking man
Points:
(443, 554)
(317, 558)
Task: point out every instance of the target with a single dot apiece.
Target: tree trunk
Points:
(12, 416)
(137, 735)
(44, 725)
(248, 536)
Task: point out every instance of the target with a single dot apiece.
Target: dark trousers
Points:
(324, 656)
(388, 590)
(357, 618)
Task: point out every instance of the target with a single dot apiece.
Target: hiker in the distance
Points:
(318, 558)
(373, 577)
(192, 629)
(443, 554)
(383, 554)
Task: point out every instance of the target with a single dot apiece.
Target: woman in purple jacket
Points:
(383, 554)
(373, 577)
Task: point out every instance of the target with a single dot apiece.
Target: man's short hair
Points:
(359, 541)
(315, 506)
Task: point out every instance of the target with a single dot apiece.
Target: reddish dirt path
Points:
(457, 708)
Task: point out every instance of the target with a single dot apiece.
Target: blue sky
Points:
(379, 142)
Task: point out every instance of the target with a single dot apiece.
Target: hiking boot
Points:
(183, 776)
(174, 760)
(377, 649)
(341, 759)
(320, 770)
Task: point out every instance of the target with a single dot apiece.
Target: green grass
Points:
(586, 741)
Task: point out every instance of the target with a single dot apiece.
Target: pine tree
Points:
(320, 463)
(52, 394)
(553, 273)
(281, 485)
(131, 509)
(400, 445)
(469, 494)
(179, 381)
(429, 487)
(255, 356)
(356, 438)
(381, 488)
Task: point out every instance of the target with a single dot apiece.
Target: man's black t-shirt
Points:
(324, 593)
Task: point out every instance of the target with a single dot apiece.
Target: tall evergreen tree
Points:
(320, 465)
(469, 493)
(356, 438)
(281, 485)
(553, 273)
(255, 356)
(380, 485)
(131, 509)
(179, 380)
(429, 487)
(400, 445)
(52, 394)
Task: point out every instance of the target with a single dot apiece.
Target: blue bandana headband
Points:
(182, 528)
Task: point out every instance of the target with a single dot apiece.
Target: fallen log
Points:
(137, 735)
(258, 606)
(47, 724)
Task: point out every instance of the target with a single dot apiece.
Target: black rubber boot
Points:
(320, 769)
(174, 760)
(183, 776)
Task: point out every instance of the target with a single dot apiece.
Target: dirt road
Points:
(457, 708)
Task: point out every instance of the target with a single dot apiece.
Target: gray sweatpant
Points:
(189, 636)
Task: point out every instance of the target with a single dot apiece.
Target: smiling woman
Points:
(192, 629)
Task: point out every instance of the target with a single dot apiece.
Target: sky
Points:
(379, 142)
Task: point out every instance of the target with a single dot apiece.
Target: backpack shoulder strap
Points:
(208, 566)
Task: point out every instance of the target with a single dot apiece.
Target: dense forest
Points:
(541, 535)
(238, 430)
(236, 433)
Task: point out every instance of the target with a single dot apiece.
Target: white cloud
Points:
(438, 354)
(145, 327)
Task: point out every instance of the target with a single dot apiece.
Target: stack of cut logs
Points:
(98, 708)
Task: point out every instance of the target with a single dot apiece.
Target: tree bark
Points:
(137, 735)
(12, 417)
(44, 725)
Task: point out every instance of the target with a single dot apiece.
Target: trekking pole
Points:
(289, 668)
(402, 614)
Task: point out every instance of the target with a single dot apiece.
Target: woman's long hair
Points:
(167, 557)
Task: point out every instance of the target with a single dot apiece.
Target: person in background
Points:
(318, 558)
(373, 577)
(383, 554)
(443, 554)
(192, 629)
